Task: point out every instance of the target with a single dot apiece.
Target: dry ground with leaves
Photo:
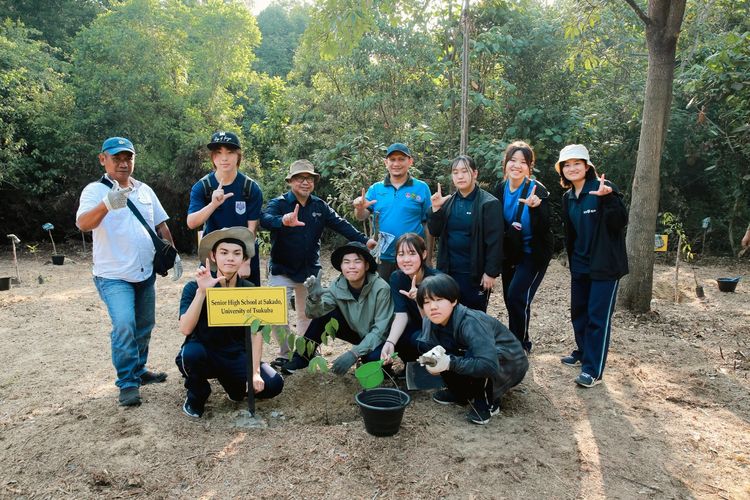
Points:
(671, 420)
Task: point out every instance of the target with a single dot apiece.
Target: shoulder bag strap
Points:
(154, 237)
(519, 207)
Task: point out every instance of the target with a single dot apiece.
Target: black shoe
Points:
(130, 396)
(446, 397)
(570, 360)
(188, 410)
(481, 413)
(586, 380)
(279, 362)
(296, 363)
(153, 378)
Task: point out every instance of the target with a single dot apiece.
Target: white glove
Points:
(117, 197)
(177, 269)
(430, 357)
(442, 363)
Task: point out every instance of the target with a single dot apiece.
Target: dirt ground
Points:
(671, 420)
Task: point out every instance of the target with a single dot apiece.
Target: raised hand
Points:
(205, 280)
(292, 218)
(438, 199)
(117, 197)
(314, 288)
(533, 200)
(603, 190)
(218, 197)
(412, 293)
(361, 203)
(371, 244)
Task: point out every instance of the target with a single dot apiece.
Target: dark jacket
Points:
(482, 344)
(486, 236)
(295, 251)
(541, 234)
(608, 257)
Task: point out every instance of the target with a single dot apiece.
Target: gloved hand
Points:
(442, 363)
(177, 270)
(435, 352)
(342, 364)
(314, 288)
(117, 197)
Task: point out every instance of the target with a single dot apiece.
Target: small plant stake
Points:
(14, 241)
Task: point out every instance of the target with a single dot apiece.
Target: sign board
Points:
(240, 306)
(660, 242)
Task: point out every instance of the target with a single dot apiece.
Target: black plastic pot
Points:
(58, 260)
(4, 283)
(727, 284)
(382, 410)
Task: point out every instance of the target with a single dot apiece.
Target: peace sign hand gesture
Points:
(205, 280)
(412, 293)
(603, 190)
(533, 200)
(292, 218)
(362, 203)
(438, 199)
(218, 197)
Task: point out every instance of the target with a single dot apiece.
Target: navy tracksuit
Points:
(595, 241)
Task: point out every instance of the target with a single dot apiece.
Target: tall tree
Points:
(662, 22)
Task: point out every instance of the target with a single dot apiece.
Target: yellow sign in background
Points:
(660, 242)
(240, 306)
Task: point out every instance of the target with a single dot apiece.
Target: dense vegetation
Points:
(299, 81)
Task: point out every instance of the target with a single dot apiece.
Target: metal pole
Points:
(465, 79)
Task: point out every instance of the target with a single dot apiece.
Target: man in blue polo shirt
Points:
(402, 202)
(296, 220)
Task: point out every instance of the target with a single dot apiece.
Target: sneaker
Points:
(481, 413)
(190, 411)
(570, 360)
(296, 363)
(446, 397)
(586, 380)
(153, 378)
(130, 396)
(279, 362)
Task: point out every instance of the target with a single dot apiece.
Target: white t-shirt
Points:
(123, 248)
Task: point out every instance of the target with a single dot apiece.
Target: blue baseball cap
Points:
(397, 146)
(114, 145)
(222, 138)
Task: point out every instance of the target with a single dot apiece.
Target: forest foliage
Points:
(336, 81)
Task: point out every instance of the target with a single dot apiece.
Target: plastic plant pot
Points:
(382, 410)
(4, 283)
(58, 260)
(728, 284)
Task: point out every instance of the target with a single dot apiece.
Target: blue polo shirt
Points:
(402, 303)
(582, 211)
(402, 210)
(510, 206)
(458, 231)
(236, 211)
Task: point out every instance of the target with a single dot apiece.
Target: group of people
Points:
(395, 303)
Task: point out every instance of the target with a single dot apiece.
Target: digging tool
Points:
(418, 378)
(14, 240)
(248, 419)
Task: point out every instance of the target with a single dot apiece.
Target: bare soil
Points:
(671, 420)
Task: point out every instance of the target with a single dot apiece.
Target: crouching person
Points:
(219, 352)
(359, 300)
(477, 356)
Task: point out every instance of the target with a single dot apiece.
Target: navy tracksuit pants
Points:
(520, 283)
(473, 295)
(592, 303)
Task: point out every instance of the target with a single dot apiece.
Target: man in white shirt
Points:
(123, 262)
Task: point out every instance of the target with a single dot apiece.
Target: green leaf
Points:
(255, 325)
(335, 323)
(266, 334)
(310, 348)
(299, 345)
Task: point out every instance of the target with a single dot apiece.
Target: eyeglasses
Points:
(306, 178)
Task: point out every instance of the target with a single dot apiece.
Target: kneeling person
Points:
(359, 300)
(219, 352)
(477, 356)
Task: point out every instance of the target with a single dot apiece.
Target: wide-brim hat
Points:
(302, 167)
(242, 234)
(573, 152)
(353, 247)
(227, 139)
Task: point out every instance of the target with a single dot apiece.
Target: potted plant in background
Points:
(57, 259)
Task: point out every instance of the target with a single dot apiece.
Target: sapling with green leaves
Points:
(674, 226)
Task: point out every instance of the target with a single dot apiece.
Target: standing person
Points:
(219, 352)
(402, 202)
(595, 219)
(296, 220)
(226, 197)
(478, 358)
(123, 262)
(746, 239)
(359, 300)
(470, 233)
(411, 257)
(527, 247)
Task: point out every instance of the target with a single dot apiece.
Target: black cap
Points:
(222, 138)
(353, 247)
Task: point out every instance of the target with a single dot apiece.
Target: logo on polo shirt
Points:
(413, 196)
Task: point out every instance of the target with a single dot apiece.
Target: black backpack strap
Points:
(206, 188)
(246, 189)
(519, 208)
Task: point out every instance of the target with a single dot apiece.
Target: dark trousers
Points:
(520, 283)
(466, 387)
(592, 303)
(473, 295)
(197, 363)
(255, 266)
(318, 326)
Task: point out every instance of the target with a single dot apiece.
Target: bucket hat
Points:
(353, 247)
(302, 167)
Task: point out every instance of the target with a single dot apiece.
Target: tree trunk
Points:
(662, 29)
